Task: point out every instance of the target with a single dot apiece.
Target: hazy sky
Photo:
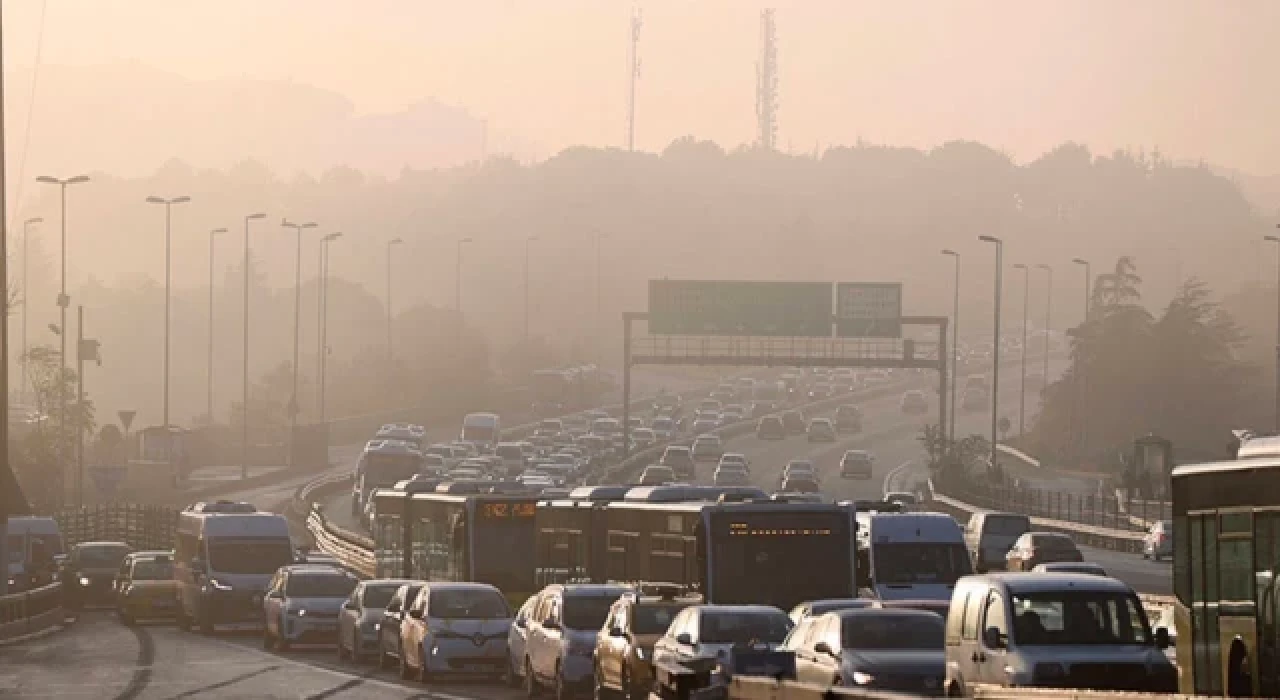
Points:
(1194, 78)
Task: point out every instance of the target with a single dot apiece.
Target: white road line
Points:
(893, 474)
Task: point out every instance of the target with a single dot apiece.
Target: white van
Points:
(910, 556)
(482, 429)
(225, 556)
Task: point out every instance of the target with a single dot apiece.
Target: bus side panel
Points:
(1185, 648)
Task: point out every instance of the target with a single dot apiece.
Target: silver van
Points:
(1053, 630)
(989, 535)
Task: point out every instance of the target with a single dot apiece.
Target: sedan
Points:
(893, 650)
(1034, 548)
(361, 617)
(821, 430)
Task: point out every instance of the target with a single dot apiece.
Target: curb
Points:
(46, 632)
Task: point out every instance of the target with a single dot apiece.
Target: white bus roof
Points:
(1268, 446)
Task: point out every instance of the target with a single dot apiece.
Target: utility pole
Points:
(1022, 387)
(324, 320)
(633, 74)
(244, 409)
(26, 304)
(955, 344)
(87, 349)
(1048, 311)
(294, 406)
(995, 349)
(4, 328)
(767, 83)
(1082, 368)
(168, 299)
(209, 391)
(63, 302)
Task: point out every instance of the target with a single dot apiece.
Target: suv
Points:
(707, 448)
(657, 475)
(849, 419)
(794, 422)
(302, 605)
(624, 647)
(679, 458)
(1056, 630)
(561, 636)
(821, 430)
(145, 587)
(770, 428)
(90, 572)
(1034, 548)
(857, 464)
(1158, 542)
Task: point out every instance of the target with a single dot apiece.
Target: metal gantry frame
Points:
(762, 351)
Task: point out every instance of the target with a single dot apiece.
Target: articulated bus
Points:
(486, 538)
(1226, 539)
(729, 553)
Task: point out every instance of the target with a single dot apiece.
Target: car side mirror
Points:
(993, 638)
(683, 639)
(823, 648)
(521, 622)
(617, 632)
(1162, 638)
(415, 614)
(350, 605)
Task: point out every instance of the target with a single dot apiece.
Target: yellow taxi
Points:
(624, 648)
(145, 587)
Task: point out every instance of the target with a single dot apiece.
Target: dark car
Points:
(388, 629)
(794, 422)
(770, 428)
(680, 459)
(90, 573)
(877, 649)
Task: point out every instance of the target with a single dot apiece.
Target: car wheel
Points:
(184, 622)
(267, 642)
(423, 675)
(282, 642)
(206, 624)
(531, 689)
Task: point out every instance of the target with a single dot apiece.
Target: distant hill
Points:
(129, 119)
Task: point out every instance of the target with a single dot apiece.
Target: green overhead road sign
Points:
(868, 310)
(715, 307)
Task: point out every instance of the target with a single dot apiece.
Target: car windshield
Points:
(920, 562)
(320, 585)
(1006, 525)
(800, 466)
(379, 596)
(152, 570)
(587, 612)
(888, 631)
(1079, 618)
(653, 619)
(468, 604)
(108, 557)
(744, 627)
(249, 556)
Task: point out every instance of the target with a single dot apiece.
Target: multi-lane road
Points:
(114, 661)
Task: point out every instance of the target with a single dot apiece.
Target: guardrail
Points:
(31, 611)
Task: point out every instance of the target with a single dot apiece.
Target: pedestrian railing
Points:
(32, 611)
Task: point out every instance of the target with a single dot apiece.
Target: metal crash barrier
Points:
(30, 611)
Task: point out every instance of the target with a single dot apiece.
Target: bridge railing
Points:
(32, 611)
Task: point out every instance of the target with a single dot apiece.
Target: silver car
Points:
(711, 632)
(302, 603)
(1158, 542)
(361, 618)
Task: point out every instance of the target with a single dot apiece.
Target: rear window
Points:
(587, 612)
(1006, 525)
(152, 570)
(879, 631)
(744, 627)
(102, 557)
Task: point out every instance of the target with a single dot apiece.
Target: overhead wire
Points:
(31, 107)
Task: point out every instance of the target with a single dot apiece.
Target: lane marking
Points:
(893, 474)
(146, 656)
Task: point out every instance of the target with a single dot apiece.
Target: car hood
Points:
(154, 587)
(915, 591)
(896, 661)
(98, 571)
(469, 628)
(256, 583)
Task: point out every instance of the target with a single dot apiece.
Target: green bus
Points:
(1226, 538)
(486, 538)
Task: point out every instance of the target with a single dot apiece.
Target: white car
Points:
(707, 448)
(735, 459)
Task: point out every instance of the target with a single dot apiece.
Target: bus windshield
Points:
(919, 562)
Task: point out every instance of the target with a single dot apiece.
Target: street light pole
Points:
(324, 317)
(995, 350)
(1276, 240)
(1048, 310)
(26, 305)
(527, 242)
(955, 342)
(209, 390)
(1083, 379)
(168, 299)
(390, 354)
(63, 302)
(294, 406)
(1022, 388)
(244, 408)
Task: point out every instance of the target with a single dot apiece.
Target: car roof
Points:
(1027, 582)
(884, 612)
(459, 586)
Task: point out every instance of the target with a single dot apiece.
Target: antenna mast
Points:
(767, 83)
(633, 64)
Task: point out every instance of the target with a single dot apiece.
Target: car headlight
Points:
(300, 612)
(84, 580)
(377, 627)
(640, 654)
(218, 585)
(861, 678)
